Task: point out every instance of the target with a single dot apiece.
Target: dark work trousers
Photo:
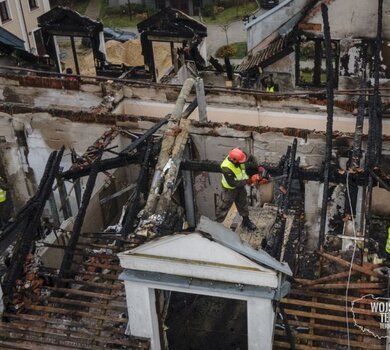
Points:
(227, 198)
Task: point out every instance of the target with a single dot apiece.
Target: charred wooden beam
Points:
(104, 165)
(144, 136)
(377, 99)
(191, 107)
(69, 253)
(356, 154)
(357, 142)
(374, 145)
(329, 123)
(65, 205)
(125, 157)
(32, 222)
(216, 64)
(142, 177)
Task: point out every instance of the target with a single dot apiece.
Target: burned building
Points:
(113, 186)
(287, 42)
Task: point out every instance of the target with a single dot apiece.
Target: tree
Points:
(225, 28)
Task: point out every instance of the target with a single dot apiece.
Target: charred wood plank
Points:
(377, 103)
(336, 276)
(329, 123)
(345, 263)
(88, 304)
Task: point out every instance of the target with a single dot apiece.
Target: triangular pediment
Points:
(195, 248)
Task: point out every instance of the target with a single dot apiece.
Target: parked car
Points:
(112, 34)
(118, 34)
(268, 4)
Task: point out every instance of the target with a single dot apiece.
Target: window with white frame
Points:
(33, 4)
(5, 15)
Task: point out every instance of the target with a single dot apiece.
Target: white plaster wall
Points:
(357, 18)
(282, 115)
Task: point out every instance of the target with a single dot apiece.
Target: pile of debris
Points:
(29, 287)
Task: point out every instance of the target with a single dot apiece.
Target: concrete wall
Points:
(28, 140)
(87, 97)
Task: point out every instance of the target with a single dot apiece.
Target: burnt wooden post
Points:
(356, 153)
(329, 123)
(69, 252)
(374, 145)
(76, 61)
(65, 205)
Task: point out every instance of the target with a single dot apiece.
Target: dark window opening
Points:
(41, 50)
(311, 63)
(204, 322)
(4, 12)
(33, 4)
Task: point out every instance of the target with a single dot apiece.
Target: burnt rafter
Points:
(64, 21)
(171, 22)
(124, 158)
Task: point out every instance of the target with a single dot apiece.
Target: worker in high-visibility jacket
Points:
(270, 88)
(388, 241)
(234, 179)
(3, 200)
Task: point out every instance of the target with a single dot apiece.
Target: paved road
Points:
(217, 36)
(93, 9)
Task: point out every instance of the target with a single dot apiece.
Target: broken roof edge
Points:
(267, 14)
(230, 239)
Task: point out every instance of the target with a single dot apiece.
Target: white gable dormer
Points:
(195, 256)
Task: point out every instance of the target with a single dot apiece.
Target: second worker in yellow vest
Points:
(234, 179)
(388, 241)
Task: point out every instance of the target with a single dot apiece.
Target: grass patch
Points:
(241, 49)
(231, 14)
(80, 6)
(115, 20)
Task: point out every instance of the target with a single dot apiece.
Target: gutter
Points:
(267, 14)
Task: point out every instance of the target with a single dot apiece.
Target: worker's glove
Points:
(255, 180)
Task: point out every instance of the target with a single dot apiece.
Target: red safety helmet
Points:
(237, 155)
